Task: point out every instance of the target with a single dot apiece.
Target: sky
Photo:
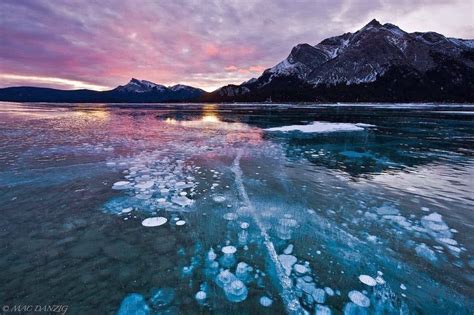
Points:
(100, 44)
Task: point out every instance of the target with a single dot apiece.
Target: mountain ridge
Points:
(353, 66)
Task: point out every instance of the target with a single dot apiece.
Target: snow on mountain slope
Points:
(140, 86)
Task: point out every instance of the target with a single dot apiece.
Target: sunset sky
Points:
(99, 44)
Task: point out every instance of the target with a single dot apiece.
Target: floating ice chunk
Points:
(164, 191)
(187, 271)
(127, 210)
(365, 125)
(300, 269)
(229, 249)
(403, 287)
(242, 272)
(380, 280)
(211, 255)
(265, 301)
(230, 216)
(359, 298)
(454, 250)
(243, 237)
(318, 127)
(244, 225)
(219, 198)
(368, 280)
(212, 269)
(145, 185)
(285, 228)
(225, 277)
(121, 185)
(180, 222)
(287, 261)
(329, 291)
(228, 259)
(353, 309)
(179, 185)
(143, 196)
(423, 251)
(307, 279)
(319, 296)
(448, 241)
(322, 310)
(288, 250)
(434, 221)
(201, 297)
(182, 201)
(387, 209)
(400, 220)
(155, 221)
(133, 304)
(236, 291)
(162, 297)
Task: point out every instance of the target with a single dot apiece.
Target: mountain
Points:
(379, 63)
(135, 91)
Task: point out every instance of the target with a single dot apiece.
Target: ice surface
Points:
(328, 206)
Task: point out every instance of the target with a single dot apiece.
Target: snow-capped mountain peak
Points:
(373, 54)
(140, 86)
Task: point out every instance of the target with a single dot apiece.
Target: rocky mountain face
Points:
(135, 91)
(377, 63)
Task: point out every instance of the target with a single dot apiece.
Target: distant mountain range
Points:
(378, 63)
(135, 91)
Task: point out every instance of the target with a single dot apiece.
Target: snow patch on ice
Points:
(319, 127)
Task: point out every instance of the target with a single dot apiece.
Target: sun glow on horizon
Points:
(60, 82)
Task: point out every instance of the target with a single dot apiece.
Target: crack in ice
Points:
(289, 298)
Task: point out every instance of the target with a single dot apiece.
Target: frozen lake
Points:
(238, 209)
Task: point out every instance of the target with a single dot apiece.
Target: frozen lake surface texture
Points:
(238, 209)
